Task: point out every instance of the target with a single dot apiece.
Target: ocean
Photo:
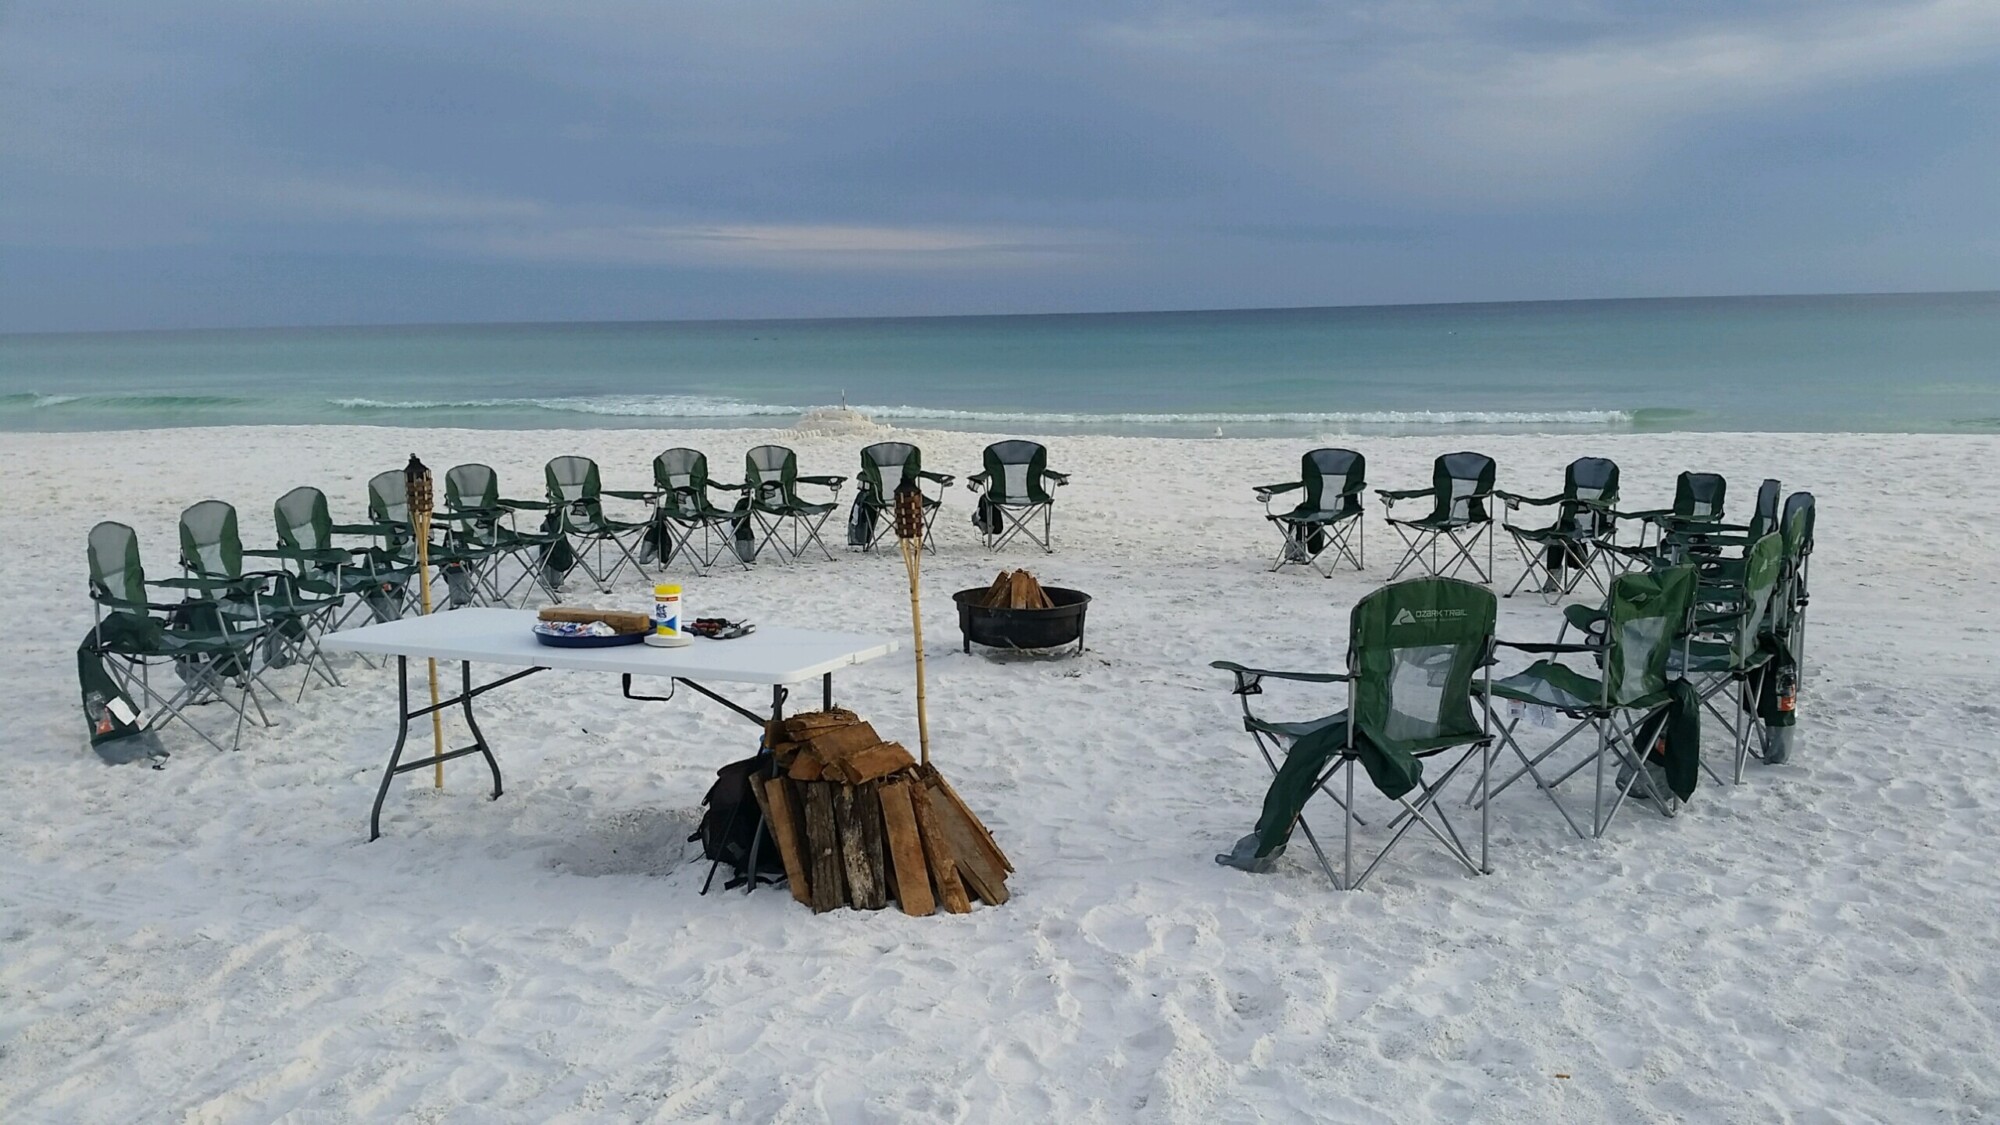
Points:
(1922, 363)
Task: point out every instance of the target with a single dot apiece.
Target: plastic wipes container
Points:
(667, 619)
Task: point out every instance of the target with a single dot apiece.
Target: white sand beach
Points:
(218, 942)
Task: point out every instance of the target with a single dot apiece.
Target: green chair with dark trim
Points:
(1415, 650)
(1326, 525)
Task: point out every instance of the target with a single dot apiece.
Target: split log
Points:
(789, 833)
(805, 767)
(943, 863)
(864, 882)
(988, 844)
(906, 849)
(836, 742)
(987, 879)
(823, 846)
(868, 813)
(805, 724)
(879, 760)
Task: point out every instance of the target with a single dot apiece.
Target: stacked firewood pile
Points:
(1016, 589)
(858, 822)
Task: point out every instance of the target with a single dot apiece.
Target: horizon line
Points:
(1042, 315)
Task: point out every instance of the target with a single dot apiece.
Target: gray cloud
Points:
(901, 156)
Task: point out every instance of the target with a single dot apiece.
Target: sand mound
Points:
(837, 421)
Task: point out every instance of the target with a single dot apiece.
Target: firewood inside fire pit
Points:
(1016, 589)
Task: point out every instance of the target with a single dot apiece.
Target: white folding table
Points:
(774, 655)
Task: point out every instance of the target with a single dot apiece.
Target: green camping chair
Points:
(1326, 523)
(1414, 650)
(1734, 648)
(369, 577)
(1629, 701)
(483, 526)
(1560, 556)
(771, 483)
(886, 467)
(455, 563)
(133, 635)
(1461, 485)
(1705, 543)
(576, 511)
(1797, 529)
(293, 614)
(682, 508)
(1013, 489)
(1698, 499)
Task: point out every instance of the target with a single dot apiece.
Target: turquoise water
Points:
(1926, 363)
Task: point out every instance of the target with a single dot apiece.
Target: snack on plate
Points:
(575, 629)
(619, 621)
(720, 628)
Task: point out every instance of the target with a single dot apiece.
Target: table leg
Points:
(404, 714)
(778, 694)
(826, 692)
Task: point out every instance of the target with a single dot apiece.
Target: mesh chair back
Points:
(114, 563)
(1592, 479)
(1760, 577)
(1698, 496)
(1414, 649)
(572, 480)
(1345, 469)
(1456, 480)
(771, 473)
(209, 543)
(1014, 472)
(886, 465)
(302, 519)
(1648, 614)
(1764, 519)
(1798, 526)
(389, 498)
(472, 488)
(681, 475)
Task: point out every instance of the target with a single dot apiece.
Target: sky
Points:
(220, 163)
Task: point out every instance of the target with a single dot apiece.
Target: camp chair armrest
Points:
(1650, 515)
(944, 480)
(824, 482)
(631, 493)
(1391, 495)
(725, 486)
(1242, 672)
(206, 584)
(976, 481)
(1266, 491)
(1545, 648)
(377, 529)
(121, 603)
(1059, 478)
(324, 556)
(1515, 499)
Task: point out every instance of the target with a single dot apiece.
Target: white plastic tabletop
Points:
(774, 654)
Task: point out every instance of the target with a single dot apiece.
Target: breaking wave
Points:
(705, 408)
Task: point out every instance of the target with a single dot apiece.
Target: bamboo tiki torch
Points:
(910, 537)
(417, 486)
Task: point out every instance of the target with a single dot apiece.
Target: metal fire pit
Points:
(1022, 628)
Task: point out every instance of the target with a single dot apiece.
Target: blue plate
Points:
(559, 640)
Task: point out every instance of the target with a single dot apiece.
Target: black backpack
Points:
(733, 824)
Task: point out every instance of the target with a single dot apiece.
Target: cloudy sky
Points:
(259, 162)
